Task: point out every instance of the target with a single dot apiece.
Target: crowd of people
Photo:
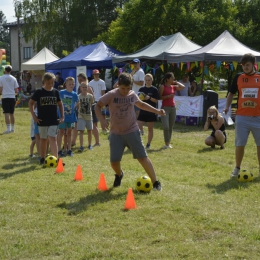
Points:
(82, 110)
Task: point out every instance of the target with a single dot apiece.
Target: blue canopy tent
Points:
(93, 56)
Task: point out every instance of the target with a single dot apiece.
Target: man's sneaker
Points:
(157, 186)
(61, 154)
(90, 147)
(69, 153)
(235, 173)
(32, 155)
(117, 181)
(96, 145)
(148, 146)
(6, 132)
(12, 131)
(81, 149)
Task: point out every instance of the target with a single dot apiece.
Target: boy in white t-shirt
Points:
(124, 131)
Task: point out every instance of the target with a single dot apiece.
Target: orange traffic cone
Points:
(102, 185)
(59, 167)
(78, 175)
(130, 200)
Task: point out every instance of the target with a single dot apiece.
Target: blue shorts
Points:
(66, 125)
(36, 129)
(244, 125)
(132, 140)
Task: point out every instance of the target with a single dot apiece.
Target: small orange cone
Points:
(59, 167)
(130, 200)
(78, 175)
(102, 185)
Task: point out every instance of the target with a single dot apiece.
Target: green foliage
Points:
(200, 214)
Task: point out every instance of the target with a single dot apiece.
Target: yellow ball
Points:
(144, 184)
(51, 161)
(141, 95)
(245, 176)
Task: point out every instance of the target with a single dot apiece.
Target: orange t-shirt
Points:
(248, 87)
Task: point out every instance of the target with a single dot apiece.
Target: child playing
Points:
(69, 99)
(34, 136)
(85, 115)
(47, 99)
(124, 131)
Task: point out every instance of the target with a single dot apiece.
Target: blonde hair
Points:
(149, 75)
(69, 78)
(215, 110)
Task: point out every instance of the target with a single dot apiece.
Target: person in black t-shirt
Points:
(48, 99)
(151, 96)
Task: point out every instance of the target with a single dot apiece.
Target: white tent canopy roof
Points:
(224, 48)
(39, 60)
(175, 44)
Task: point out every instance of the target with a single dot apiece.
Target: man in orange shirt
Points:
(247, 84)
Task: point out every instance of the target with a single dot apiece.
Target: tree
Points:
(65, 24)
(199, 20)
(4, 36)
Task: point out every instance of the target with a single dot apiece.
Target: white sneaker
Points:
(167, 146)
(235, 173)
(6, 132)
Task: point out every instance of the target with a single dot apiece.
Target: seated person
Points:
(216, 122)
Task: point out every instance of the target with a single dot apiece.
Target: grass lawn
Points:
(200, 214)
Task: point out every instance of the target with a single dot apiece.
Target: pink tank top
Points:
(168, 90)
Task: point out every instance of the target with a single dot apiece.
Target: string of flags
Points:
(189, 66)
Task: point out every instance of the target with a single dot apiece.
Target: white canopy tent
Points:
(174, 44)
(39, 60)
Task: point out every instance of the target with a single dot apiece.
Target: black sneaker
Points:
(42, 161)
(117, 181)
(157, 186)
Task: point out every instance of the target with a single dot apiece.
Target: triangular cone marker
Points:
(130, 200)
(78, 175)
(102, 185)
(59, 167)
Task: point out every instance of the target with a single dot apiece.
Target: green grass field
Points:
(200, 214)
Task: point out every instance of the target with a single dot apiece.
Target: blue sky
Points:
(6, 6)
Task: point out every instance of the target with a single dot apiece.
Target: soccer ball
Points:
(141, 95)
(51, 161)
(245, 176)
(144, 184)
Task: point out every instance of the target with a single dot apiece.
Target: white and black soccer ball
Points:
(245, 176)
(144, 184)
(51, 161)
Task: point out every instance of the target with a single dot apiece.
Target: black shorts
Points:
(224, 133)
(147, 117)
(8, 105)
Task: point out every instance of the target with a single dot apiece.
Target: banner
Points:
(193, 106)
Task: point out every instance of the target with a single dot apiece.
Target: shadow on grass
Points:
(229, 185)
(207, 149)
(77, 207)
(20, 171)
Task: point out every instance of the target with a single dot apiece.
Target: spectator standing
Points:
(185, 81)
(167, 91)
(138, 79)
(99, 88)
(8, 89)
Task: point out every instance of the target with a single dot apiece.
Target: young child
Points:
(69, 99)
(47, 99)
(35, 136)
(216, 122)
(124, 131)
(85, 115)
